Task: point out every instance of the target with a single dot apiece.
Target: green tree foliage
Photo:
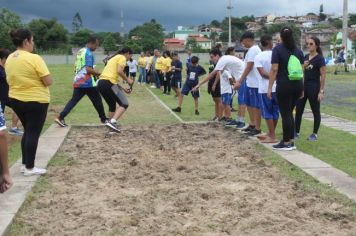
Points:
(337, 23)
(48, 34)
(352, 19)
(193, 45)
(8, 22)
(215, 23)
(116, 35)
(238, 26)
(77, 23)
(109, 43)
(80, 38)
(270, 30)
(150, 35)
(134, 45)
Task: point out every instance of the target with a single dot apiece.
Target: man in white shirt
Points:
(132, 64)
(269, 107)
(252, 77)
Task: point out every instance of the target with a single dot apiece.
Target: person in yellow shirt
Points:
(149, 73)
(142, 63)
(29, 80)
(159, 66)
(111, 91)
(167, 73)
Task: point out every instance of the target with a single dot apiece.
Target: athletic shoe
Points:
(284, 147)
(296, 136)
(178, 109)
(232, 123)
(60, 122)
(15, 131)
(313, 137)
(153, 86)
(22, 169)
(222, 119)
(293, 146)
(253, 132)
(112, 126)
(34, 171)
(215, 119)
(248, 129)
(240, 125)
(197, 112)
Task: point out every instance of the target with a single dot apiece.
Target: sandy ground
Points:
(174, 180)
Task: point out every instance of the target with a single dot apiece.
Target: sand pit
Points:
(174, 180)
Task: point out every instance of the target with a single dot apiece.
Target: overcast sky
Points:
(104, 15)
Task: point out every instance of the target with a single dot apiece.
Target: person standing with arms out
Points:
(314, 84)
(4, 93)
(167, 72)
(177, 68)
(84, 82)
(287, 71)
(5, 178)
(29, 81)
(252, 77)
(269, 107)
(112, 94)
(142, 63)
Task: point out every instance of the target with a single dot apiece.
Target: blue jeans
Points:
(142, 77)
(156, 78)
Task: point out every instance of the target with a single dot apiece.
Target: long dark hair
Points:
(19, 35)
(317, 44)
(288, 38)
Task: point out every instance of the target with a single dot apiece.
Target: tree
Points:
(150, 35)
(80, 38)
(109, 43)
(48, 34)
(215, 23)
(77, 22)
(8, 22)
(354, 45)
(193, 45)
(133, 45)
(337, 23)
(277, 28)
(352, 19)
(116, 35)
(322, 16)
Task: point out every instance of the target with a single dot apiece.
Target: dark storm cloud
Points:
(104, 15)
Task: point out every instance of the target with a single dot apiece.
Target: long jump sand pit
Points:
(173, 180)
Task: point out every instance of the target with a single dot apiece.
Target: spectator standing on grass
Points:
(142, 63)
(109, 89)
(4, 94)
(189, 59)
(231, 51)
(215, 91)
(193, 73)
(132, 63)
(287, 61)
(269, 107)
(341, 60)
(314, 84)
(84, 82)
(149, 73)
(177, 68)
(29, 81)
(5, 178)
(160, 69)
(167, 73)
(153, 62)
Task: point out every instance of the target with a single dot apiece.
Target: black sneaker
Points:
(112, 126)
(248, 129)
(232, 123)
(197, 112)
(178, 109)
(222, 119)
(284, 147)
(60, 122)
(253, 132)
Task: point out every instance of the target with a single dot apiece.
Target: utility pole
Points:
(229, 8)
(344, 24)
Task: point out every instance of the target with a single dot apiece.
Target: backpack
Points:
(295, 69)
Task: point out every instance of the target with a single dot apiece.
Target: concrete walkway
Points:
(11, 201)
(333, 122)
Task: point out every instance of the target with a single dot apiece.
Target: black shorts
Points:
(217, 92)
(176, 82)
(105, 88)
(133, 74)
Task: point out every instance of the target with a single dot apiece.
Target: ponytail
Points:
(288, 38)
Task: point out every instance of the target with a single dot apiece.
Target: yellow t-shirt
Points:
(160, 63)
(24, 71)
(110, 70)
(142, 62)
(167, 64)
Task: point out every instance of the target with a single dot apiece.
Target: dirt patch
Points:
(174, 180)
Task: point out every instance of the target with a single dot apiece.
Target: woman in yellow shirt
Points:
(109, 89)
(29, 80)
(167, 73)
(142, 63)
(160, 69)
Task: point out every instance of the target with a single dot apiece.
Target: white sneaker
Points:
(153, 86)
(35, 171)
(22, 169)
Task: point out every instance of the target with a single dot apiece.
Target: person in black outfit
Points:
(314, 83)
(288, 91)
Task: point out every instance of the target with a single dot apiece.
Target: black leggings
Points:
(167, 83)
(105, 89)
(160, 77)
(288, 94)
(32, 116)
(311, 92)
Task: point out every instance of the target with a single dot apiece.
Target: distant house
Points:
(182, 33)
(175, 45)
(204, 43)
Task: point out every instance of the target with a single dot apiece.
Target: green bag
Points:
(295, 69)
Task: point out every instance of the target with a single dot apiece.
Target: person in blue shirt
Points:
(194, 71)
(177, 67)
(189, 59)
(84, 82)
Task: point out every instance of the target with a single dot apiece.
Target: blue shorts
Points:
(188, 86)
(241, 97)
(176, 82)
(252, 98)
(269, 107)
(226, 99)
(2, 120)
